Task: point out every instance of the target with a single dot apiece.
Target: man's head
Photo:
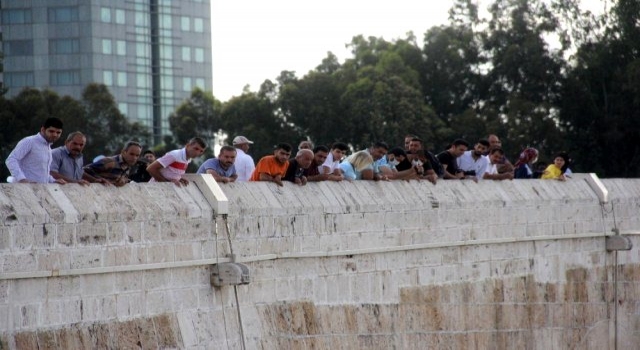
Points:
(407, 140)
(320, 154)
(131, 152)
(338, 150)
(195, 147)
(481, 147)
(305, 145)
(494, 141)
(304, 158)
(458, 147)
(495, 155)
(282, 152)
(149, 156)
(75, 143)
(398, 154)
(51, 129)
(227, 157)
(242, 143)
(378, 150)
(415, 145)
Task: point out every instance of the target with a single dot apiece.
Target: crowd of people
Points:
(33, 161)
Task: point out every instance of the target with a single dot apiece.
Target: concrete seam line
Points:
(191, 263)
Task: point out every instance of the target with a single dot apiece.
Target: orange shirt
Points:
(269, 165)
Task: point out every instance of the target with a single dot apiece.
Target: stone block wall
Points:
(347, 265)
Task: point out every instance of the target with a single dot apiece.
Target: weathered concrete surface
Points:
(515, 264)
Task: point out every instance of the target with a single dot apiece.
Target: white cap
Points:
(239, 140)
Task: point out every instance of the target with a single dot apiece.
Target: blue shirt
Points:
(214, 164)
(31, 160)
(64, 164)
(349, 171)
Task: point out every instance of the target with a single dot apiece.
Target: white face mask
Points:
(393, 162)
(416, 162)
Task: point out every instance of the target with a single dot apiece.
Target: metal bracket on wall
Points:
(230, 273)
(617, 242)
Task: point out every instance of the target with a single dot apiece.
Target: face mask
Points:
(416, 162)
(393, 162)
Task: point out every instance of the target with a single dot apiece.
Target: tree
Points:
(199, 115)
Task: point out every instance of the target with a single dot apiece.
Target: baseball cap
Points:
(238, 140)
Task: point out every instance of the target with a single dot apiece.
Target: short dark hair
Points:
(149, 152)
(227, 148)
(284, 146)
(52, 122)
(131, 143)
(397, 151)
(497, 149)
(322, 148)
(199, 141)
(381, 144)
(484, 142)
(460, 142)
(340, 145)
(417, 139)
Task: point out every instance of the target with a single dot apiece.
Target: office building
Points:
(149, 53)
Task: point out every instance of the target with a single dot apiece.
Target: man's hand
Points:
(278, 180)
(60, 181)
(180, 182)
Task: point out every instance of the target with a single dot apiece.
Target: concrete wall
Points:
(513, 264)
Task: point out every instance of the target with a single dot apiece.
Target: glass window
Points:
(18, 79)
(167, 82)
(141, 50)
(64, 46)
(16, 16)
(186, 53)
(105, 15)
(199, 53)
(18, 48)
(185, 23)
(123, 107)
(64, 77)
(122, 79)
(165, 21)
(141, 81)
(107, 78)
(120, 16)
(166, 52)
(141, 19)
(198, 25)
(186, 84)
(121, 47)
(63, 14)
(106, 47)
(200, 83)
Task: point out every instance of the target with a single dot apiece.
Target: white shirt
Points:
(467, 163)
(31, 160)
(329, 163)
(244, 165)
(174, 164)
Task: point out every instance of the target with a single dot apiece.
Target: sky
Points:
(255, 40)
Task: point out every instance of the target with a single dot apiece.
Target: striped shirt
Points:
(31, 160)
(174, 164)
(113, 169)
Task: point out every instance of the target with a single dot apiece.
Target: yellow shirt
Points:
(551, 172)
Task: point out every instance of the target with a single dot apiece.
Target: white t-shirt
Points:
(329, 163)
(174, 164)
(467, 163)
(244, 165)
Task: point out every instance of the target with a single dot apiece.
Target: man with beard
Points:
(473, 163)
(116, 169)
(273, 168)
(30, 160)
(221, 168)
(67, 161)
(448, 159)
(312, 173)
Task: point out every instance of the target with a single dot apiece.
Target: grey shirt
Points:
(65, 165)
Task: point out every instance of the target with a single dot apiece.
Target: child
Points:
(554, 171)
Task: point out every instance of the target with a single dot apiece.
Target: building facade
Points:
(149, 53)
